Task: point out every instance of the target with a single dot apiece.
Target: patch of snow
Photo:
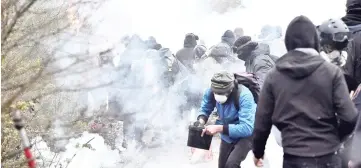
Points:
(89, 151)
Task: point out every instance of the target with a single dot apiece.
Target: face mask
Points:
(220, 98)
(338, 57)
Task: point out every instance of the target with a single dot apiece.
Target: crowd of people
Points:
(310, 94)
(308, 97)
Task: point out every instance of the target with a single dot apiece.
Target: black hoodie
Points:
(186, 54)
(301, 97)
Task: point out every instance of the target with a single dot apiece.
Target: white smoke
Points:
(140, 91)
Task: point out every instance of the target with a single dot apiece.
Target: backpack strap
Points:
(237, 96)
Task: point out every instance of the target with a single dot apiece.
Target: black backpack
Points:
(248, 80)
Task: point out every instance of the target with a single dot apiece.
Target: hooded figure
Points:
(256, 57)
(353, 21)
(228, 38)
(302, 97)
(186, 54)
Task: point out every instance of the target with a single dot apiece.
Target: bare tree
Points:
(33, 33)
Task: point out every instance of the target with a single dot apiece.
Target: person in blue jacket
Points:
(236, 108)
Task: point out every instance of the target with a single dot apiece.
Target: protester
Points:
(244, 44)
(228, 38)
(300, 97)
(234, 125)
(353, 21)
(186, 54)
(256, 57)
(334, 38)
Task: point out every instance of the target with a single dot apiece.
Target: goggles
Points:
(338, 37)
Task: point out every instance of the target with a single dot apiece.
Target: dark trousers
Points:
(327, 161)
(232, 154)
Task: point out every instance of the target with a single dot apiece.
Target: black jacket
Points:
(302, 97)
(356, 144)
(353, 21)
(260, 62)
(353, 63)
(186, 54)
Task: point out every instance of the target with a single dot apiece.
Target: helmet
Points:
(334, 34)
(334, 30)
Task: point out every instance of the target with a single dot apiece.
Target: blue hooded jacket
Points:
(240, 123)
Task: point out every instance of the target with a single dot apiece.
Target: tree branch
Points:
(18, 15)
(8, 102)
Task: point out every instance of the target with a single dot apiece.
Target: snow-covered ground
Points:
(90, 151)
(168, 21)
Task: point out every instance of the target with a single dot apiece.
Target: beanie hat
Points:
(222, 83)
(242, 41)
(244, 44)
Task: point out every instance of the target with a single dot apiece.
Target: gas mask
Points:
(220, 98)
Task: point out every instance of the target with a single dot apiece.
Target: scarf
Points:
(353, 17)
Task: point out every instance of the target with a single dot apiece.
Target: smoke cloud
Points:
(139, 89)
